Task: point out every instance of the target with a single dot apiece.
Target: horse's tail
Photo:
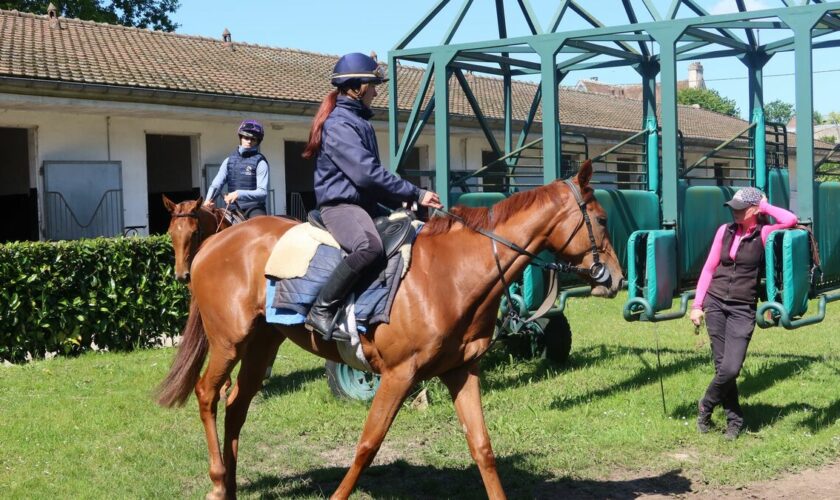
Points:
(186, 368)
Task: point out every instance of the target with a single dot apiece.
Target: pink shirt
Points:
(784, 220)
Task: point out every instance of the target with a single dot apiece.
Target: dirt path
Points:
(821, 484)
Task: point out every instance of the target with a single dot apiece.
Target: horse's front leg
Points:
(259, 353)
(393, 389)
(207, 391)
(463, 385)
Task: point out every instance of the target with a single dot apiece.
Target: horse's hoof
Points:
(217, 494)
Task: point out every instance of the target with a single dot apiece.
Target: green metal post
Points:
(667, 38)
(759, 149)
(649, 70)
(393, 112)
(755, 61)
(551, 125)
(442, 74)
(801, 23)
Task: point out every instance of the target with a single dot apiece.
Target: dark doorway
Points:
(300, 182)
(494, 178)
(18, 201)
(169, 172)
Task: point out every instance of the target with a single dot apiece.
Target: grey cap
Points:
(745, 197)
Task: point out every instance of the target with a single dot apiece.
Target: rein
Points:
(597, 271)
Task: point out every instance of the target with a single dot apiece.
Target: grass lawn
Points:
(88, 428)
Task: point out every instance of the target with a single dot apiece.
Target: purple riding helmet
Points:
(251, 128)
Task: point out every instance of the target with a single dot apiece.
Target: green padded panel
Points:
(653, 267)
(476, 200)
(827, 228)
(701, 213)
(628, 211)
(778, 187)
(534, 282)
(788, 261)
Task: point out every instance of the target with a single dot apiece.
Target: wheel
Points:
(557, 336)
(349, 383)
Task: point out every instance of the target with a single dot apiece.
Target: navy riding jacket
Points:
(348, 170)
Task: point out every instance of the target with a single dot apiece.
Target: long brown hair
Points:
(314, 144)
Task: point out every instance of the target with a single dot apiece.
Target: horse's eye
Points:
(602, 221)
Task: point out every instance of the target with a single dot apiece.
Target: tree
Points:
(819, 119)
(778, 111)
(138, 13)
(708, 99)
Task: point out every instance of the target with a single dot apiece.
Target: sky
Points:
(339, 26)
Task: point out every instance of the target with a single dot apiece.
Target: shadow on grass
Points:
(648, 374)
(278, 385)
(403, 480)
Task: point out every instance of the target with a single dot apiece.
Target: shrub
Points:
(119, 293)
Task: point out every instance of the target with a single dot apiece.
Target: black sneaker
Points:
(704, 419)
(733, 430)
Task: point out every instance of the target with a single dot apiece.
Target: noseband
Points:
(598, 272)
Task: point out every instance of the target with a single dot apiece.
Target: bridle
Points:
(598, 272)
(197, 236)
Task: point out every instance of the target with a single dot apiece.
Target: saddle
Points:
(395, 229)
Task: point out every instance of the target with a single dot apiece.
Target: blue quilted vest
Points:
(242, 174)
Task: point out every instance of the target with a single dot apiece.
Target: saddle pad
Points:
(294, 251)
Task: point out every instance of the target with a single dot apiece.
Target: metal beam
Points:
(558, 16)
(441, 61)
(411, 124)
(750, 36)
(596, 23)
(479, 115)
(420, 25)
(721, 40)
(456, 23)
(530, 17)
(631, 16)
(474, 56)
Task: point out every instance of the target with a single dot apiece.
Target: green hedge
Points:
(119, 293)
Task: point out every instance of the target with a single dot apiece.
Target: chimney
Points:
(52, 13)
(695, 76)
(226, 36)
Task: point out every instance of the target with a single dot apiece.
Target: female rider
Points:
(350, 180)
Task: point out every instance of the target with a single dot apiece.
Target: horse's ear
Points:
(169, 204)
(198, 203)
(584, 174)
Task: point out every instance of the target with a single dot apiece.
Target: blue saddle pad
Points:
(288, 301)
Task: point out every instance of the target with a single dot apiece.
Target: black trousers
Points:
(730, 326)
(353, 229)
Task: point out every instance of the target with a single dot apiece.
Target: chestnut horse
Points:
(190, 225)
(442, 320)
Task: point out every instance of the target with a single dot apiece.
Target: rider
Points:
(350, 180)
(246, 173)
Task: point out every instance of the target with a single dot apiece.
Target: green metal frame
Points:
(684, 32)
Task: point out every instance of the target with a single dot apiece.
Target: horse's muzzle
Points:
(183, 278)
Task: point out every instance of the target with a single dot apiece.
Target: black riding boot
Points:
(322, 316)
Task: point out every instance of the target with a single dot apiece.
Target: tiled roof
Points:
(85, 52)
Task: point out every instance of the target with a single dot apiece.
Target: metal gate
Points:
(82, 199)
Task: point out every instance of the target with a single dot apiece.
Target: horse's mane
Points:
(481, 217)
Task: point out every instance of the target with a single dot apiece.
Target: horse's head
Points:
(185, 229)
(580, 235)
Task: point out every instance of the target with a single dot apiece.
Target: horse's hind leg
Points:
(222, 359)
(259, 353)
(464, 387)
(393, 389)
